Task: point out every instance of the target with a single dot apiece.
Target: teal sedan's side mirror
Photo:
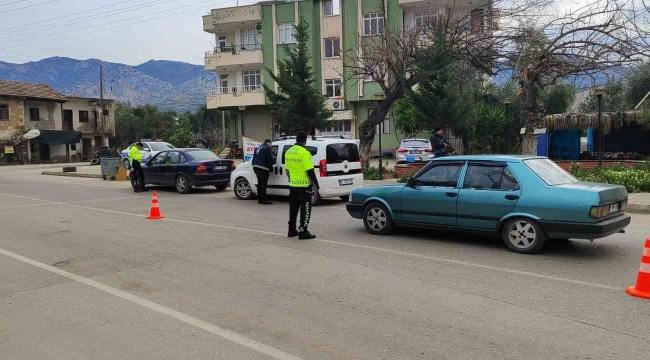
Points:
(410, 182)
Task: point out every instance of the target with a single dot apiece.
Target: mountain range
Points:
(171, 85)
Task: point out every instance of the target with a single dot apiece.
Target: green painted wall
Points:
(285, 13)
(310, 11)
(372, 6)
(350, 14)
(268, 50)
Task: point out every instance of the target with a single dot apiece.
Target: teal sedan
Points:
(526, 200)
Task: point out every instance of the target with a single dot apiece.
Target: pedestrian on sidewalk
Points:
(439, 143)
(302, 182)
(262, 165)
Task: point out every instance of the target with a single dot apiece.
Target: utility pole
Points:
(223, 129)
(101, 100)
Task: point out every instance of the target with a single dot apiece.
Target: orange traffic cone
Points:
(642, 287)
(154, 213)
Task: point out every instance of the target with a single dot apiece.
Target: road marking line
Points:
(380, 249)
(188, 319)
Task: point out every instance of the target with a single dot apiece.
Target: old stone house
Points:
(71, 127)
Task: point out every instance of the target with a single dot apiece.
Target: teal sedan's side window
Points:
(483, 177)
(440, 176)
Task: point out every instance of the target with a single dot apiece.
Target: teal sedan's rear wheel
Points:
(377, 219)
(524, 236)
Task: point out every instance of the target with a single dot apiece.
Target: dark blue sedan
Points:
(187, 168)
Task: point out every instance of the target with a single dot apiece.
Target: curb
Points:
(77, 175)
(638, 209)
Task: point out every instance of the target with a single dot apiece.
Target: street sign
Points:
(9, 149)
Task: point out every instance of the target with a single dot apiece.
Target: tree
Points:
(638, 83)
(599, 37)
(144, 121)
(486, 124)
(614, 100)
(298, 105)
(407, 121)
(558, 98)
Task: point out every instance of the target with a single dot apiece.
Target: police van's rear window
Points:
(338, 153)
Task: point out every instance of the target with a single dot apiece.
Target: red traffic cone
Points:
(154, 213)
(642, 287)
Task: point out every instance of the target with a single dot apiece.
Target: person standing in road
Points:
(262, 165)
(302, 182)
(439, 143)
(136, 160)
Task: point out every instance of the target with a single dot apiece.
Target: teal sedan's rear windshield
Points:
(550, 172)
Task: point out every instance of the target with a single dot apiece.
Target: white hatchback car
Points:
(337, 165)
(149, 150)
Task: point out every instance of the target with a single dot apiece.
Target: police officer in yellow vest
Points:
(302, 182)
(136, 160)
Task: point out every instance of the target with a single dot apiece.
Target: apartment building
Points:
(248, 39)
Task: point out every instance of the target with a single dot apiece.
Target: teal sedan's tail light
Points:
(597, 212)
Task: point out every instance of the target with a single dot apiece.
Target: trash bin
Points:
(110, 166)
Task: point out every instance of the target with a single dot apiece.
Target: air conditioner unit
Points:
(258, 27)
(338, 105)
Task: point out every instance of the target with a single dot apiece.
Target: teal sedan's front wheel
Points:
(377, 219)
(524, 236)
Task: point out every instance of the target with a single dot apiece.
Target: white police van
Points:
(337, 164)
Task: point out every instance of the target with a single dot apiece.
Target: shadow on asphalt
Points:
(571, 249)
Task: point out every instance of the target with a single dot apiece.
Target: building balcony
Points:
(451, 3)
(226, 19)
(236, 96)
(228, 57)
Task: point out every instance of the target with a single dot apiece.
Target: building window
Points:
(252, 80)
(373, 24)
(249, 42)
(333, 88)
(286, 33)
(332, 47)
(222, 43)
(424, 18)
(4, 112)
(478, 20)
(331, 7)
(337, 127)
(34, 114)
(83, 116)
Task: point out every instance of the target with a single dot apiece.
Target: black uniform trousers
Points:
(137, 171)
(262, 183)
(300, 202)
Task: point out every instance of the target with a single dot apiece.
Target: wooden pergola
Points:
(584, 121)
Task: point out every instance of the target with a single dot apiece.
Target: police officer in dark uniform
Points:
(262, 165)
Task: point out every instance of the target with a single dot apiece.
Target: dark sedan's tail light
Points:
(232, 165)
(201, 169)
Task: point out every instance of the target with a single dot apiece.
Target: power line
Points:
(118, 21)
(89, 18)
(29, 6)
(13, 2)
(66, 16)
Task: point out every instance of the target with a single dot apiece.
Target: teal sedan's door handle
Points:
(451, 194)
(512, 197)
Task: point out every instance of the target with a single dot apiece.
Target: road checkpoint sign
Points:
(249, 147)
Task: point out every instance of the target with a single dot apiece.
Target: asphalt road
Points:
(83, 275)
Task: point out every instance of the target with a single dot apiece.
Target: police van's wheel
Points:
(243, 189)
(316, 199)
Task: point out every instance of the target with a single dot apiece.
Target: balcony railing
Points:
(234, 49)
(234, 90)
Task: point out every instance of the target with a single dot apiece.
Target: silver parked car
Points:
(414, 150)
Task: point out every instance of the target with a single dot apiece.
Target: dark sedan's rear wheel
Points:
(243, 189)
(182, 185)
(524, 236)
(377, 219)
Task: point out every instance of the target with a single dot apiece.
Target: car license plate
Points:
(614, 208)
(416, 152)
(346, 182)
(222, 167)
